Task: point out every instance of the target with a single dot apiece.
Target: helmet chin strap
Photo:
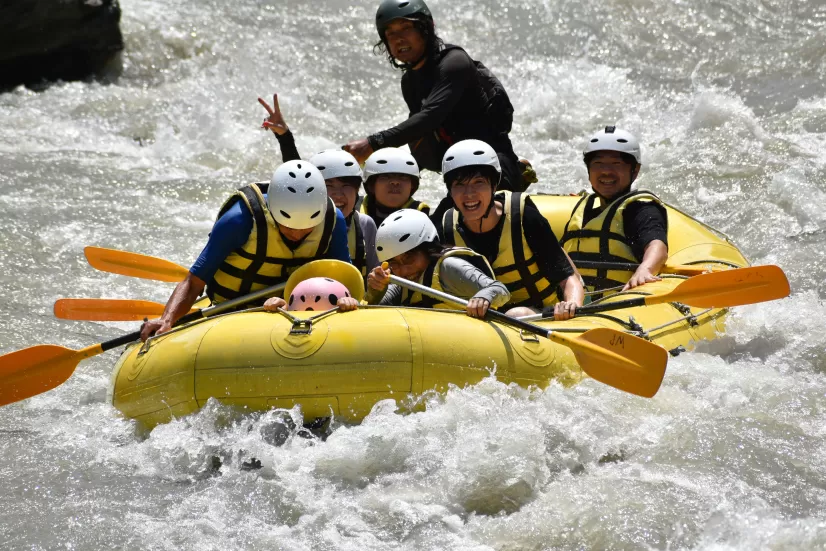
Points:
(487, 212)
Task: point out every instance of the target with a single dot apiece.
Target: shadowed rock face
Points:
(46, 40)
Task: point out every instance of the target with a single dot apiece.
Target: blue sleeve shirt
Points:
(229, 233)
(338, 249)
(232, 230)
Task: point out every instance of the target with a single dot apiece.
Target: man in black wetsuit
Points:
(451, 97)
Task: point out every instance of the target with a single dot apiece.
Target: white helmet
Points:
(297, 196)
(402, 231)
(614, 139)
(391, 160)
(336, 163)
(470, 153)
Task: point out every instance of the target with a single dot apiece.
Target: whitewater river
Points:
(729, 99)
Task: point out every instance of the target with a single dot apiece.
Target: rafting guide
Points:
(450, 96)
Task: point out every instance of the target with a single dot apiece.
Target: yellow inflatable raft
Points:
(341, 364)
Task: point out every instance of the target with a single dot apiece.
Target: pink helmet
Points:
(318, 294)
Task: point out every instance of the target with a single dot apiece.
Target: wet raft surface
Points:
(730, 452)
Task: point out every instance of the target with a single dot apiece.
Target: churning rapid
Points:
(729, 100)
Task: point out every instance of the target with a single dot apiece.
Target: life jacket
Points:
(265, 259)
(602, 239)
(430, 278)
(355, 242)
(494, 119)
(515, 263)
(368, 206)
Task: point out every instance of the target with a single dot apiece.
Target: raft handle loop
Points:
(145, 346)
(637, 328)
(527, 337)
(302, 327)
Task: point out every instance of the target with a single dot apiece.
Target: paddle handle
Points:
(492, 314)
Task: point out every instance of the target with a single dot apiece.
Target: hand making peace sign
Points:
(275, 121)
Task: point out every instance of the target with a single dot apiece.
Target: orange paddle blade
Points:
(729, 288)
(101, 309)
(34, 370)
(619, 360)
(134, 265)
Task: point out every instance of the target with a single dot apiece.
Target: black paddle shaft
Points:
(604, 307)
(132, 337)
(120, 341)
(203, 313)
(514, 322)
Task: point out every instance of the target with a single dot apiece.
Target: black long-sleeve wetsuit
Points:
(453, 98)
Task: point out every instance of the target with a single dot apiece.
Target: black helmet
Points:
(395, 9)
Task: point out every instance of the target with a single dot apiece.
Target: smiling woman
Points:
(508, 230)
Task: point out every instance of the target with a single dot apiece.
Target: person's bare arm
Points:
(181, 301)
(656, 253)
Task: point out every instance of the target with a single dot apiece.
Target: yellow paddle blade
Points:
(346, 274)
(617, 359)
(102, 309)
(134, 265)
(729, 288)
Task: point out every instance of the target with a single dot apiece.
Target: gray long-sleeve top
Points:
(368, 230)
(457, 277)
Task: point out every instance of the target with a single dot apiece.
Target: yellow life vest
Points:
(515, 263)
(265, 259)
(355, 242)
(368, 206)
(430, 278)
(602, 239)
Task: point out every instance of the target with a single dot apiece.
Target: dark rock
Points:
(46, 40)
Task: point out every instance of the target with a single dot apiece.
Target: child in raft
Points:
(317, 294)
(509, 231)
(391, 177)
(408, 242)
(342, 176)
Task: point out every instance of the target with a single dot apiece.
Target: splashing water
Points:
(730, 102)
